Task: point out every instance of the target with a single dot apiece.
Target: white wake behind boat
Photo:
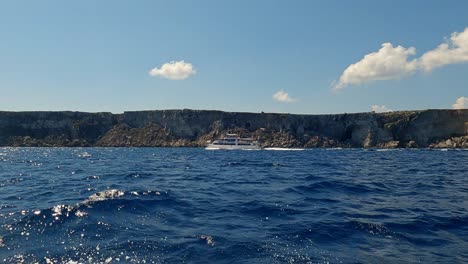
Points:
(233, 141)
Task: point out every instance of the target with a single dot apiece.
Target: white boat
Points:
(233, 141)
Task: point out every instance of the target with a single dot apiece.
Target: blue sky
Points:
(97, 55)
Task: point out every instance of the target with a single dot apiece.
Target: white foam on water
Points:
(60, 210)
(209, 240)
(79, 213)
(104, 195)
(65, 210)
(251, 149)
(93, 177)
(285, 149)
(383, 150)
(85, 155)
(210, 148)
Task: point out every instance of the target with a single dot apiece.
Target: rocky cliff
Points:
(193, 128)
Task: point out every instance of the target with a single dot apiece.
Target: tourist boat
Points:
(233, 141)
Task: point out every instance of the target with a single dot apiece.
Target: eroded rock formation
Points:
(193, 128)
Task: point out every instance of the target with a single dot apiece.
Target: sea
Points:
(191, 205)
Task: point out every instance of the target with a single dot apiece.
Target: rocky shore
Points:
(193, 128)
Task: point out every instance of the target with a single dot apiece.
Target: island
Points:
(194, 128)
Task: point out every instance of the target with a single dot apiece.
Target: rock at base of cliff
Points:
(453, 142)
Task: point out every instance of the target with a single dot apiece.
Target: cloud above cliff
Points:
(461, 103)
(454, 50)
(282, 96)
(380, 109)
(387, 63)
(391, 62)
(174, 70)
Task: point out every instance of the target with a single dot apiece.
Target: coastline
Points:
(193, 128)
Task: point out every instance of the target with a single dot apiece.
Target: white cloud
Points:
(283, 96)
(454, 50)
(387, 63)
(380, 109)
(174, 70)
(392, 62)
(461, 103)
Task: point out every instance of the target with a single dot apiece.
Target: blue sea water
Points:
(183, 205)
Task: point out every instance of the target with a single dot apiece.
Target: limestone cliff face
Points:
(429, 128)
(53, 128)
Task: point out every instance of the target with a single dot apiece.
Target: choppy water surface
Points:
(159, 205)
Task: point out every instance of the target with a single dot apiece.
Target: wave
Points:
(211, 148)
(267, 211)
(84, 155)
(338, 148)
(337, 186)
(232, 207)
(100, 202)
(11, 181)
(372, 228)
(385, 150)
(249, 163)
(285, 149)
